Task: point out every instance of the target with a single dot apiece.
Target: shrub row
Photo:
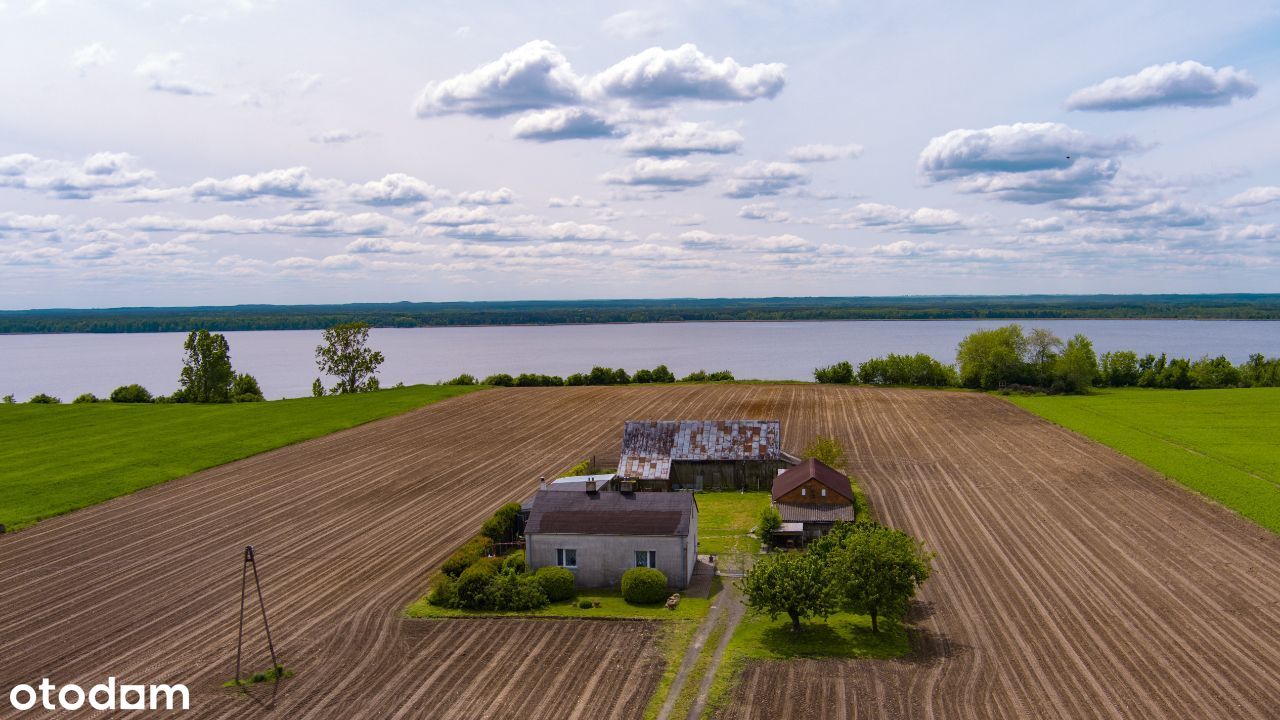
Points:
(597, 376)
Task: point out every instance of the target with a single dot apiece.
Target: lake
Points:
(284, 360)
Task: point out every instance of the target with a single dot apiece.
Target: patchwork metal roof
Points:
(650, 446)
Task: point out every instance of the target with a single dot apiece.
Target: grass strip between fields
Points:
(59, 458)
(1220, 443)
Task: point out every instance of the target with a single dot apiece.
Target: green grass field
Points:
(725, 518)
(1222, 443)
(58, 458)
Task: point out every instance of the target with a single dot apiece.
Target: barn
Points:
(700, 455)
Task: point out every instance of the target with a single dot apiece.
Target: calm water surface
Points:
(284, 360)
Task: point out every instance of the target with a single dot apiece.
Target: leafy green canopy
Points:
(345, 354)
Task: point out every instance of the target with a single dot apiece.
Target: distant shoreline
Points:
(535, 313)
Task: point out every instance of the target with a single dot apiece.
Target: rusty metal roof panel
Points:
(650, 446)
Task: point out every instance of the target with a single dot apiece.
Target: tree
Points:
(1119, 368)
(825, 449)
(839, 374)
(770, 522)
(1075, 369)
(989, 359)
(878, 569)
(10, 399)
(134, 393)
(245, 388)
(792, 583)
(1214, 373)
(85, 398)
(206, 369)
(44, 399)
(1042, 351)
(345, 354)
(663, 375)
(317, 388)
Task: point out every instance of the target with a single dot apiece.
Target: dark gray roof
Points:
(794, 512)
(649, 446)
(610, 513)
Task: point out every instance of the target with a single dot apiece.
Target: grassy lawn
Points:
(59, 458)
(1222, 443)
(611, 606)
(843, 635)
(724, 518)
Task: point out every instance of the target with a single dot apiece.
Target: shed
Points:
(701, 454)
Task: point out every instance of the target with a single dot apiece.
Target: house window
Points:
(804, 491)
(567, 557)
(647, 558)
(824, 492)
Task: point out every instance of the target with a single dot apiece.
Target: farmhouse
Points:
(600, 535)
(811, 497)
(700, 454)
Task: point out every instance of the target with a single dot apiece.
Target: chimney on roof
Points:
(591, 485)
(542, 483)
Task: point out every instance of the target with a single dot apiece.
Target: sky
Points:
(245, 151)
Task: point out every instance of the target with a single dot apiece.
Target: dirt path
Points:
(1071, 582)
(731, 598)
(691, 654)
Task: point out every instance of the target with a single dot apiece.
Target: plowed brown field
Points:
(1071, 582)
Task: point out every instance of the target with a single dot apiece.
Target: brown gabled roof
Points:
(610, 513)
(808, 470)
(649, 446)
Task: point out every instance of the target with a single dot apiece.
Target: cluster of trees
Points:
(862, 567)
(1010, 358)
(597, 376)
(404, 314)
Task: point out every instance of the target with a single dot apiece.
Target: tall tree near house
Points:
(794, 584)
(206, 368)
(825, 449)
(876, 570)
(345, 354)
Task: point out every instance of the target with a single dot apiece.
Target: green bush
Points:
(644, 586)
(465, 556)
(43, 399)
(515, 562)
(473, 585)
(501, 527)
(131, 394)
(770, 522)
(444, 591)
(557, 582)
(463, 379)
(839, 374)
(513, 591)
(500, 380)
(585, 604)
(245, 388)
(85, 398)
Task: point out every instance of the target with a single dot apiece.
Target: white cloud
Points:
(684, 138)
(501, 196)
(534, 76)
(295, 182)
(395, 189)
(823, 153)
(336, 137)
(457, 216)
(658, 76)
(1025, 162)
(319, 223)
(674, 174)
(703, 240)
(631, 24)
(15, 222)
(302, 83)
(767, 211)
(573, 123)
(889, 217)
(163, 74)
(758, 178)
(1184, 84)
(577, 201)
(463, 32)
(527, 229)
(98, 172)
(92, 56)
(1037, 225)
(1255, 197)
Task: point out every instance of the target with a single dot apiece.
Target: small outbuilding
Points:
(811, 497)
(599, 535)
(700, 454)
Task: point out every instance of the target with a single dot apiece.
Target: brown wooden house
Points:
(811, 497)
